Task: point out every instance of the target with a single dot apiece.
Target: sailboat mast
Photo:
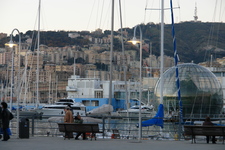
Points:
(25, 89)
(12, 81)
(162, 51)
(49, 89)
(74, 65)
(123, 53)
(111, 51)
(38, 54)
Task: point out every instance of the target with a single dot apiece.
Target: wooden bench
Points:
(193, 130)
(74, 127)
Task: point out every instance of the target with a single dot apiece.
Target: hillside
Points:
(196, 41)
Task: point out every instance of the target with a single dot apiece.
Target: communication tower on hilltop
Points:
(195, 16)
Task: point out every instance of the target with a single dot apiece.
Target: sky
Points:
(88, 15)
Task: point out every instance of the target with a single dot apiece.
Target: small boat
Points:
(143, 108)
(146, 111)
(57, 109)
(135, 108)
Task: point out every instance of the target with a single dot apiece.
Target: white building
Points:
(94, 88)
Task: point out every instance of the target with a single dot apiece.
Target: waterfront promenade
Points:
(58, 143)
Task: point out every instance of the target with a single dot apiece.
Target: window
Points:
(94, 103)
(86, 102)
(98, 94)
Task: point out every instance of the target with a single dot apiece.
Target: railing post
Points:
(141, 127)
(103, 126)
(32, 129)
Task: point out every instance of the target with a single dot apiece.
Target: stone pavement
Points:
(58, 143)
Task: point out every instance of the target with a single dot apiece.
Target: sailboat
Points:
(33, 112)
(158, 118)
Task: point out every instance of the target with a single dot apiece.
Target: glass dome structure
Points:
(201, 92)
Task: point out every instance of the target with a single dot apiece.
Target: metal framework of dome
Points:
(201, 92)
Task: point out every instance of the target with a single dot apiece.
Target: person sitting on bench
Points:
(208, 122)
(78, 119)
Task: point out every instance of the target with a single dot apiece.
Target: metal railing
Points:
(112, 127)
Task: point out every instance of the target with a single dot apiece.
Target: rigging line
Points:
(42, 13)
(35, 42)
(146, 4)
(178, 4)
(214, 13)
(214, 16)
(217, 35)
(223, 12)
(213, 20)
(97, 14)
(30, 46)
(220, 10)
(193, 105)
(124, 13)
(106, 16)
(210, 98)
(118, 17)
(90, 15)
(101, 15)
(29, 74)
(203, 96)
(34, 31)
(210, 37)
(20, 85)
(6, 82)
(155, 9)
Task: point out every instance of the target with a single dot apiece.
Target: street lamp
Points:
(135, 41)
(11, 44)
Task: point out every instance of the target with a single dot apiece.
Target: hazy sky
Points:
(78, 15)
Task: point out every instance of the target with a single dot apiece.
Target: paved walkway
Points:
(58, 143)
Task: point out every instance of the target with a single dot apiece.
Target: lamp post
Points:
(135, 41)
(11, 44)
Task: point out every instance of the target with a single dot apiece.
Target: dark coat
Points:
(0, 117)
(207, 122)
(5, 118)
(0, 112)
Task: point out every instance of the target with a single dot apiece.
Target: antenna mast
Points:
(195, 16)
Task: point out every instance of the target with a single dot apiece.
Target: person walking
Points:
(208, 122)
(5, 116)
(68, 118)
